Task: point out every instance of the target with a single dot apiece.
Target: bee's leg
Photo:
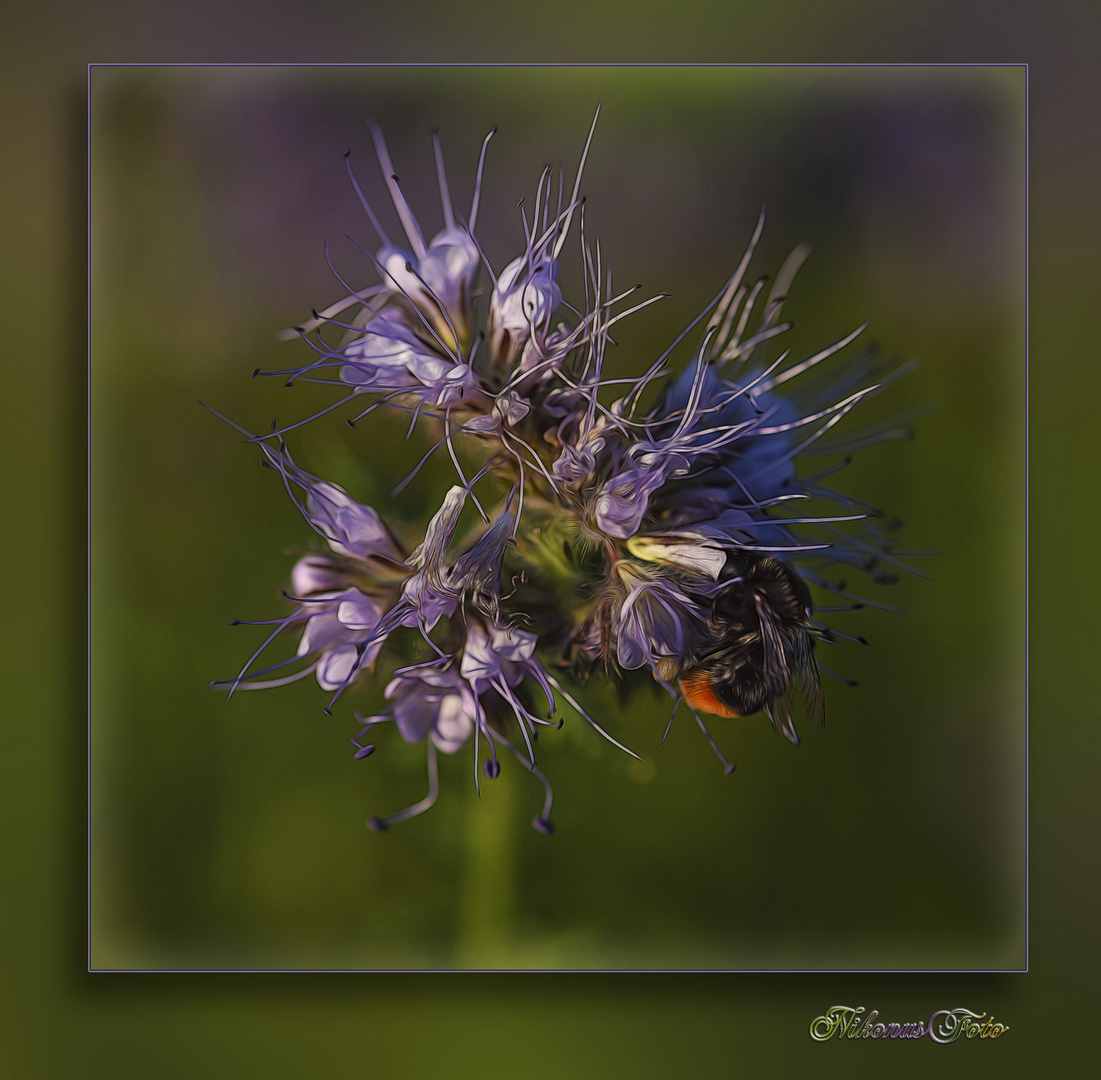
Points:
(728, 766)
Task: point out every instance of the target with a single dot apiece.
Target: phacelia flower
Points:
(650, 532)
(339, 595)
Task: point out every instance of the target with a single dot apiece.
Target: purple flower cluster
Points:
(646, 530)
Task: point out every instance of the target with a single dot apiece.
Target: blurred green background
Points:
(229, 836)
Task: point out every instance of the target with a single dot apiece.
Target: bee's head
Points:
(763, 585)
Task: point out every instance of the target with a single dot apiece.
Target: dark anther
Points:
(347, 153)
(365, 751)
(394, 177)
(729, 768)
(561, 721)
(863, 641)
(350, 423)
(234, 622)
(255, 372)
(492, 769)
(542, 825)
(408, 266)
(377, 824)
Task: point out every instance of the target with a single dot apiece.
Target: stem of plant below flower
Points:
(488, 898)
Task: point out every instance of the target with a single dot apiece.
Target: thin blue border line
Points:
(88, 510)
(1028, 876)
(558, 971)
(551, 64)
(457, 64)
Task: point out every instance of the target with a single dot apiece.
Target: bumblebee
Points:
(756, 651)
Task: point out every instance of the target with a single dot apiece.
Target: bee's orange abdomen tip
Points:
(696, 687)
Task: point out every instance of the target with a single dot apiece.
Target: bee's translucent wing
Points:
(800, 670)
(812, 694)
(776, 671)
(810, 684)
(779, 712)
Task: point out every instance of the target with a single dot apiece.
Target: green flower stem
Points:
(488, 898)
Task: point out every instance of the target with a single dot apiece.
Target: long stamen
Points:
(381, 824)
(478, 181)
(728, 303)
(615, 742)
(420, 464)
(458, 468)
(543, 822)
(441, 177)
(408, 222)
(363, 201)
(577, 183)
(267, 641)
(817, 358)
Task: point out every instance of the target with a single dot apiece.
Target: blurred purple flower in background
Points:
(648, 533)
